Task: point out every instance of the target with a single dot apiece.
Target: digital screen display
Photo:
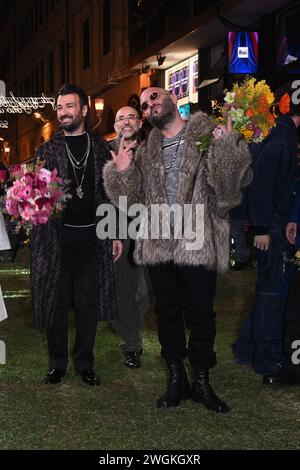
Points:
(242, 52)
(178, 81)
(185, 110)
(289, 51)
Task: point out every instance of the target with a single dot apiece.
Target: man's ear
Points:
(84, 110)
(140, 123)
(174, 98)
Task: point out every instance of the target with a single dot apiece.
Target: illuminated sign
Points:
(182, 80)
(242, 51)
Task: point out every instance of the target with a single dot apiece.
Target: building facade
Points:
(115, 48)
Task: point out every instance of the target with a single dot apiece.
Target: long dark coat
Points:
(46, 242)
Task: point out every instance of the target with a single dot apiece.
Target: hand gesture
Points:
(124, 156)
(221, 131)
(117, 250)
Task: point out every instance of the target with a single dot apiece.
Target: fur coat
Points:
(46, 248)
(213, 178)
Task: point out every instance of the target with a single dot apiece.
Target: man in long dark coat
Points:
(70, 266)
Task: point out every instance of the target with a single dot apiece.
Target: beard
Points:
(128, 134)
(73, 125)
(167, 115)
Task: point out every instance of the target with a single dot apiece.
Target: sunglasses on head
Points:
(152, 97)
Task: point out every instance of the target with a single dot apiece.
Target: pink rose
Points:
(16, 190)
(45, 175)
(12, 207)
(28, 179)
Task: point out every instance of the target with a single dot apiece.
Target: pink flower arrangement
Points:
(36, 195)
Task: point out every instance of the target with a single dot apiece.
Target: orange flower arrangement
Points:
(251, 107)
(285, 103)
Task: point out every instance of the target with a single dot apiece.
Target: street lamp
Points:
(99, 106)
(39, 116)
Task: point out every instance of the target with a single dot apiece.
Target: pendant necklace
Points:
(78, 165)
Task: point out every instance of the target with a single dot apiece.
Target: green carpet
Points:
(121, 413)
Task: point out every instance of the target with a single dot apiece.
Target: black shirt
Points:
(81, 211)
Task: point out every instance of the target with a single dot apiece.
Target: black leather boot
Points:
(202, 392)
(178, 386)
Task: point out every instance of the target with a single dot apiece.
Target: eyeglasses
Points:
(129, 117)
(152, 97)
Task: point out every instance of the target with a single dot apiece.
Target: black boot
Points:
(178, 386)
(202, 392)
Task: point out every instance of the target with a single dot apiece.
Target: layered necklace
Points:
(79, 165)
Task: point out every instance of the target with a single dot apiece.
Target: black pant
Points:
(77, 289)
(185, 291)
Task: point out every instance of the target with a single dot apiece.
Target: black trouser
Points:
(77, 289)
(185, 291)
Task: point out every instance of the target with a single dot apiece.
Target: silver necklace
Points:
(79, 164)
(79, 190)
(174, 158)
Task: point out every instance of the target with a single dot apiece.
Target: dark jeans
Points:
(77, 289)
(261, 339)
(189, 291)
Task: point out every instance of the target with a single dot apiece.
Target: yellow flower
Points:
(262, 89)
(248, 134)
(266, 131)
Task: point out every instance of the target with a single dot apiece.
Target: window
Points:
(86, 44)
(106, 18)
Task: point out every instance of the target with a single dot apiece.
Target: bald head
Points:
(159, 107)
(127, 123)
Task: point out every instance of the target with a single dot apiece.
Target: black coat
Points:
(46, 242)
(275, 174)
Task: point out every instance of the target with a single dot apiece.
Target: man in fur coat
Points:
(69, 265)
(170, 169)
